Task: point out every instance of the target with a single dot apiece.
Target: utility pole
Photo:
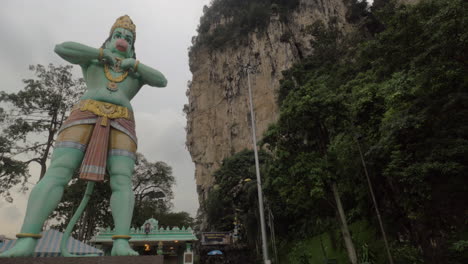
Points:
(390, 259)
(266, 259)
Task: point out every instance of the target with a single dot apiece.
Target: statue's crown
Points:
(124, 22)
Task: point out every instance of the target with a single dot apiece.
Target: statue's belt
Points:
(104, 109)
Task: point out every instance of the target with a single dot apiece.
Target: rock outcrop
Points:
(218, 119)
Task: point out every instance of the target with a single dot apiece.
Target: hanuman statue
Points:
(98, 137)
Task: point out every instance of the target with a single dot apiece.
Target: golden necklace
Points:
(112, 84)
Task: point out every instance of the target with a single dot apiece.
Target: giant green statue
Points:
(98, 137)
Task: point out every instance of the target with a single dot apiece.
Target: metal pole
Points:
(390, 259)
(266, 259)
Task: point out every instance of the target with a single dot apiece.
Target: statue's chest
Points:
(98, 77)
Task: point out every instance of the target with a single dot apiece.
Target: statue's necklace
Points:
(112, 84)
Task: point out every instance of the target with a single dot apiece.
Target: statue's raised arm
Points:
(117, 49)
(77, 53)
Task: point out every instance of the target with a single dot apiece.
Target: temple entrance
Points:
(174, 244)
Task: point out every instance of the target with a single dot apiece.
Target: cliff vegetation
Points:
(231, 20)
(398, 95)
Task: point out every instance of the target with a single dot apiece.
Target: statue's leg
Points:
(45, 197)
(122, 201)
(120, 164)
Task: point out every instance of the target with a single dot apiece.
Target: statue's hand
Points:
(108, 57)
(128, 63)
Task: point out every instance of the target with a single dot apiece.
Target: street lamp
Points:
(266, 259)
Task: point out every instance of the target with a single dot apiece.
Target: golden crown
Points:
(124, 22)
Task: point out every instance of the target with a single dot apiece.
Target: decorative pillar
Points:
(188, 255)
(160, 248)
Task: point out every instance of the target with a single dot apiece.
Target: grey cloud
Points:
(11, 214)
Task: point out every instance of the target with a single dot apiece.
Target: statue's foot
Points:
(122, 248)
(24, 247)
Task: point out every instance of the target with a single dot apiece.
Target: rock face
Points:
(218, 117)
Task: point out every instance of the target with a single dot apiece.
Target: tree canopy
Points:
(401, 94)
(30, 120)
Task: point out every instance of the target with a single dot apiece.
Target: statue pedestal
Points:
(85, 260)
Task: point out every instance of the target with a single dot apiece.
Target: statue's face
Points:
(121, 42)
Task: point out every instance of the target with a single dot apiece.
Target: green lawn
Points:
(329, 248)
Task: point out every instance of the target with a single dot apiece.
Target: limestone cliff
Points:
(218, 119)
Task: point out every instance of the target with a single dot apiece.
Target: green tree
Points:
(234, 195)
(152, 185)
(313, 115)
(402, 91)
(179, 219)
(30, 120)
(12, 171)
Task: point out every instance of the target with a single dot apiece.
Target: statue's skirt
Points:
(100, 130)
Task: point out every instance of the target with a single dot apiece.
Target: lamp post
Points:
(266, 259)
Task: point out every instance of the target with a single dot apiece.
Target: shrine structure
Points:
(175, 243)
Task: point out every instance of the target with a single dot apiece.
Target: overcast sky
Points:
(29, 31)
